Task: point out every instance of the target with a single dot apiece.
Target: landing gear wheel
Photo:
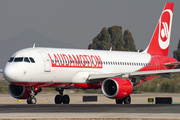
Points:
(65, 99)
(61, 98)
(127, 100)
(58, 99)
(31, 100)
(28, 101)
(119, 101)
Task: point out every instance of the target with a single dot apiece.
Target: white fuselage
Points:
(54, 65)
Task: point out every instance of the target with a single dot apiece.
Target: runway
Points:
(90, 108)
(90, 111)
(103, 109)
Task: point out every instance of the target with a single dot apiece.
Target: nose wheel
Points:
(59, 99)
(32, 99)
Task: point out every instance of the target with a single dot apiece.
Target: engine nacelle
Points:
(20, 92)
(117, 88)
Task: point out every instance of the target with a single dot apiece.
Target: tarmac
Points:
(103, 109)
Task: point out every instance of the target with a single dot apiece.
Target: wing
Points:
(1, 70)
(142, 75)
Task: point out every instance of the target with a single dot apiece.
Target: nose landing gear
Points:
(61, 98)
(32, 99)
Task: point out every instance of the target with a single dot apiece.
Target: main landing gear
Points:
(126, 100)
(61, 98)
(32, 99)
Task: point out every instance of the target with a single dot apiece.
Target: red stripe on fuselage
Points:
(62, 85)
(75, 61)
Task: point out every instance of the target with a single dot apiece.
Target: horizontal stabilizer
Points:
(174, 63)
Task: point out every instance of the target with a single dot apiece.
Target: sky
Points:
(77, 22)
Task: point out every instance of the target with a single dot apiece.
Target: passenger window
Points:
(18, 59)
(32, 60)
(26, 60)
(11, 59)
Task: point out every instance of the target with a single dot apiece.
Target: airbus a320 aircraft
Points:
(115, 72)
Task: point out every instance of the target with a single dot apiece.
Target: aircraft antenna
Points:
(34, 45)
(110, 48)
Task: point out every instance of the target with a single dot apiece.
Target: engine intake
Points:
(117, 88)
(20, 92)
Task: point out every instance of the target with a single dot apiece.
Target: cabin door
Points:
(47, 66)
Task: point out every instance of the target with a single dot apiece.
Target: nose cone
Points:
(10, 73)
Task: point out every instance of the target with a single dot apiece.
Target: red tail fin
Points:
(159, 44)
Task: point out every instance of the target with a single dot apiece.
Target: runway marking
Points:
(47, 101)
(9, 102)
(110, 101)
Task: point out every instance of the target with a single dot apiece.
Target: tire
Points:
(127, 100)
(66, 99)
(119, 101)
(28, 101)
(31, 100)
(58, 99)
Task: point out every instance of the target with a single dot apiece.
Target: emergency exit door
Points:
(47, 66)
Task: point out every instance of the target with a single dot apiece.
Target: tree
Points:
(129, 41)
(112, 37)
(116, 37)
(102, 41)
(176, 53)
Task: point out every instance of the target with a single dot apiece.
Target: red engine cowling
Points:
(20, 92)
(117, 88)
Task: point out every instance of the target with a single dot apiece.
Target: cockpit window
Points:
(11, 59)
(18, 59)
(26, 60)
(31, 59)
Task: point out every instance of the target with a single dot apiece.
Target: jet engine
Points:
(117, 88)
(20, 92)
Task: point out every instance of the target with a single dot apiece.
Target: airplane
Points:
(116, 73)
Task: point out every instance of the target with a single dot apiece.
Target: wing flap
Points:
(105, 75)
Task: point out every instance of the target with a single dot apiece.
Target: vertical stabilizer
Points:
(159, 44)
